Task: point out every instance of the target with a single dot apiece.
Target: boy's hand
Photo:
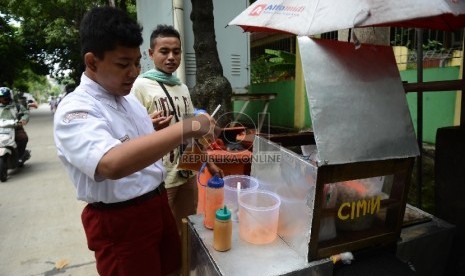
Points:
(205, 129)
(160, 122)
(214, 169)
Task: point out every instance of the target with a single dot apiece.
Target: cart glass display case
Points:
(345, 188)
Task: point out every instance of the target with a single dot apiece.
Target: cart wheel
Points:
(3, 169)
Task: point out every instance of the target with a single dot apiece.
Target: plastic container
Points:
(202, 180)
(233, 186)
(258, 216)
(214, 200)
(222, 231)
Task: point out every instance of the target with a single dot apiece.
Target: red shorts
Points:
(141, 239)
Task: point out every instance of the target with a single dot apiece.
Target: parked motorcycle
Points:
(9, 158)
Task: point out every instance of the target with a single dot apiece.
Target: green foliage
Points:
(403, 38)
(27, 79)
(47, 39)
(11, 51)
(433, 45)
(274, 65)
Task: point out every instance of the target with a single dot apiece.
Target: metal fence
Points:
(440, 48)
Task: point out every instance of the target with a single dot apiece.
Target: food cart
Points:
(343, 187)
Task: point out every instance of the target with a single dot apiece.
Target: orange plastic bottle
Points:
(222, 232)
(214, 200)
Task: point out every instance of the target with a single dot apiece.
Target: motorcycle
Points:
(9, 158)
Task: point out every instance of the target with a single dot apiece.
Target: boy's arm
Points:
(136, 154)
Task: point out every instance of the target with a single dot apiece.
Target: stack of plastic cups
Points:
(234, 185)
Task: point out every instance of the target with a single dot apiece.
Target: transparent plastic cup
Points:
(258, 216)
(234, 185)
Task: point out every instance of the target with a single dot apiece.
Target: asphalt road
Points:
(40, 224)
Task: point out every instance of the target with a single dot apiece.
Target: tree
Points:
(11, 52)
(376, 36)
(49, 32)
(211, 87)
(15, 67)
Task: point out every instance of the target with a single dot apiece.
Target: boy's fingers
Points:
(155, 114)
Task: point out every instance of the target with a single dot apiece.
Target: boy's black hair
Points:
(163, 31)
(104, 28)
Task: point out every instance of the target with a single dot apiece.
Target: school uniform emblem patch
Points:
(75, 115)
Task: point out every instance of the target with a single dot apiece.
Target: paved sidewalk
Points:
(40, 222)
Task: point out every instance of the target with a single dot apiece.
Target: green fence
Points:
(438, 107)
(280, 109)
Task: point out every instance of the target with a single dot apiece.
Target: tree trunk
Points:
(376, 36)
(211, 87)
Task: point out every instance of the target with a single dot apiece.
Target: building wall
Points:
(438, 107)
(280, 109)
(149, 15)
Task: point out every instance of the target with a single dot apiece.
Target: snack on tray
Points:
(358, 203)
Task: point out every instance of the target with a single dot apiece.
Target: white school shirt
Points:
(88, 123)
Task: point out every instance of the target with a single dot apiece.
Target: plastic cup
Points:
(258, 216)
(235, 185)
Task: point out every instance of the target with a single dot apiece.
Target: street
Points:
(40, 223)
